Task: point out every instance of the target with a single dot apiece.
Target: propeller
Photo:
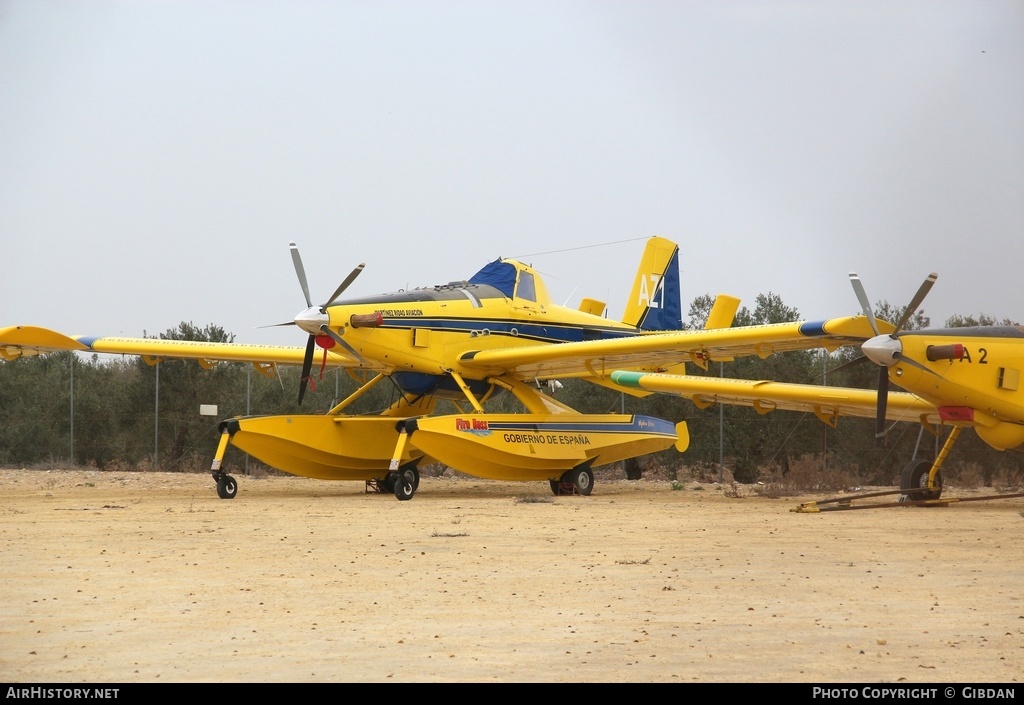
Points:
(315, 321)
(885, 349)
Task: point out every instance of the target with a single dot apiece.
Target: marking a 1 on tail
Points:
(645, 297)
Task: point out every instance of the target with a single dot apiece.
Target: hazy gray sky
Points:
(157, 157)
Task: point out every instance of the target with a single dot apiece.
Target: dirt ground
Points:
(149, 577)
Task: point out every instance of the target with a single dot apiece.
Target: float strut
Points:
(218, 457)
(396, 458)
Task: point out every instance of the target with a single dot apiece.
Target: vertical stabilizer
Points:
(723, 312)
(654, 303)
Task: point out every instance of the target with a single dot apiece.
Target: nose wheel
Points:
(227, 486)
(404, 482)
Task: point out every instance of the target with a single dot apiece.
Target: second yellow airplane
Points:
(957, 377)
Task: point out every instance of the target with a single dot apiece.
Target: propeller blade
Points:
(914, 363)
(297, 261)
(341, 341)
(307, 366)
(344, 285)
(862, 297)
(847, 365)
(883, 401)
(915, 303)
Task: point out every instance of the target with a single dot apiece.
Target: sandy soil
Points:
(142, 577)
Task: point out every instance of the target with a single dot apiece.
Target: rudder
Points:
(654, 303)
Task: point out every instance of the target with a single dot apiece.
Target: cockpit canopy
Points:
(513, 279)
(501, 278)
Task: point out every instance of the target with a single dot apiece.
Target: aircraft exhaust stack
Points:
(954, 351)
(366, 320)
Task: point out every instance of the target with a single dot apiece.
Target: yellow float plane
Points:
(464, 342)
(963, 377)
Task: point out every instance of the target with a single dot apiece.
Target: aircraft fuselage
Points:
(976, 378)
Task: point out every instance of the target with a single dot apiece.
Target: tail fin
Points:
(654, 303)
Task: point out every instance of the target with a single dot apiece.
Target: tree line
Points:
(123, 412)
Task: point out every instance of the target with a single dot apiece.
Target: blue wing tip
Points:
(813, 328)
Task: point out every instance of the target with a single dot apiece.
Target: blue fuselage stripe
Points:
(559, 333)
(646, 424)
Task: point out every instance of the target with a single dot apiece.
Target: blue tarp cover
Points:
(500, 275)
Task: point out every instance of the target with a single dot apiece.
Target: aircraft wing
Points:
(827, 403)
(662, 351)
(24, 341)
(28, 341)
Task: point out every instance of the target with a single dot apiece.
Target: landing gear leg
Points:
(227, 486)
(403, 479)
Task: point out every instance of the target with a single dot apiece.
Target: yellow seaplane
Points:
(956, 377)
(465, 342)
